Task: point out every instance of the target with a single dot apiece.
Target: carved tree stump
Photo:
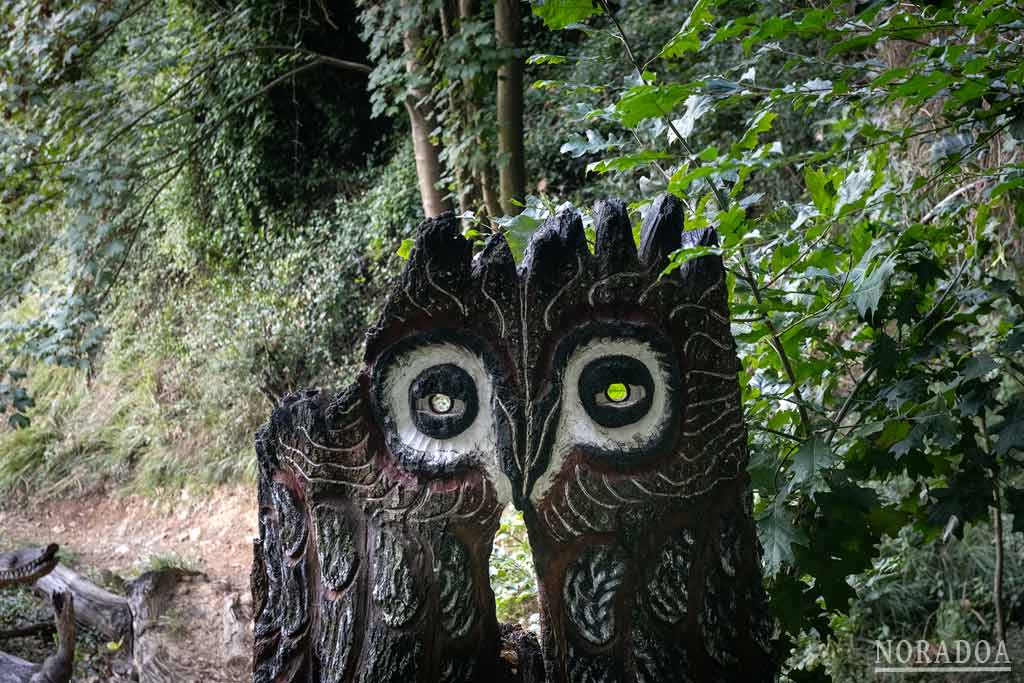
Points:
(597, 397)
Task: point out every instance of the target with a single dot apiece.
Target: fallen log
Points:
(58, 667)
(95, 608)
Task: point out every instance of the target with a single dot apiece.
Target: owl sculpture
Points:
(585, 388)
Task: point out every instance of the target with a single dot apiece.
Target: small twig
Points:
(777, 432)
(848, 404)
(948, 198)
(776, 343)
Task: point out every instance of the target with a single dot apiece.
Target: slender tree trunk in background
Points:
(512, 170)
(997, 580)
(461, 105)
(428, 155)
(428, 162)
(487, 185)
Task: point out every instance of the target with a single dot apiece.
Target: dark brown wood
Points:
(373, 561)
(594, 394)
(639, 517)
(95, 608)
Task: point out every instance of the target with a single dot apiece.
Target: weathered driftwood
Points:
(596, 396)
(57, 668)
(172, 611)
(23, 567)
(153, 656)
(95, 608)
(16, 670)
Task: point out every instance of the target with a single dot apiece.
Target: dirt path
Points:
(111, 537)
(123, 535)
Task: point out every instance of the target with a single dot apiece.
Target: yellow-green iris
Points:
(617, 392)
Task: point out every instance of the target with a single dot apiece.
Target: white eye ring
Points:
(475, 444)
(576, 428)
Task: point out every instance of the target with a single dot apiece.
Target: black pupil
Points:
(443, 401)
(626, 385)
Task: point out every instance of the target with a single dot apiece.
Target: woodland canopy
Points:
(203, 202)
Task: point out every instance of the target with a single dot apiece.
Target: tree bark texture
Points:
(512, 167)
(594, 395)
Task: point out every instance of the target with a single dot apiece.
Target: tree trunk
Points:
(465, 191)
(487, 185)
(997, 578)
(512, 170)
(428, 154)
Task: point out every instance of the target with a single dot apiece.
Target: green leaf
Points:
(681, 256)
(1011, 430)
(979, 366)
(867, 295)
(852, 189)
(813, 456)
(626, 162)
(18, 421)
(557, 14)
(761, 123)
(547, 59)
(680, 181)
(818, 187)
(688, 37)
(777, 533)
(696, 107)
(1015, 506)
(650, 101)
(405, 250)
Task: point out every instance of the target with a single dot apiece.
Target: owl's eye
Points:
(616, 390)
(621, 394)
(433, 399)
(443, 401)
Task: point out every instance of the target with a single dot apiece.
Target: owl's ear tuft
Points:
(661, 232)
(702, 273)
(439, 266)
(555, 246)
(495, 256)
(440, 246)
(702, 237)
(614, 249)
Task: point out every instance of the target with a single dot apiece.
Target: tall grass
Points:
(125, 428)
